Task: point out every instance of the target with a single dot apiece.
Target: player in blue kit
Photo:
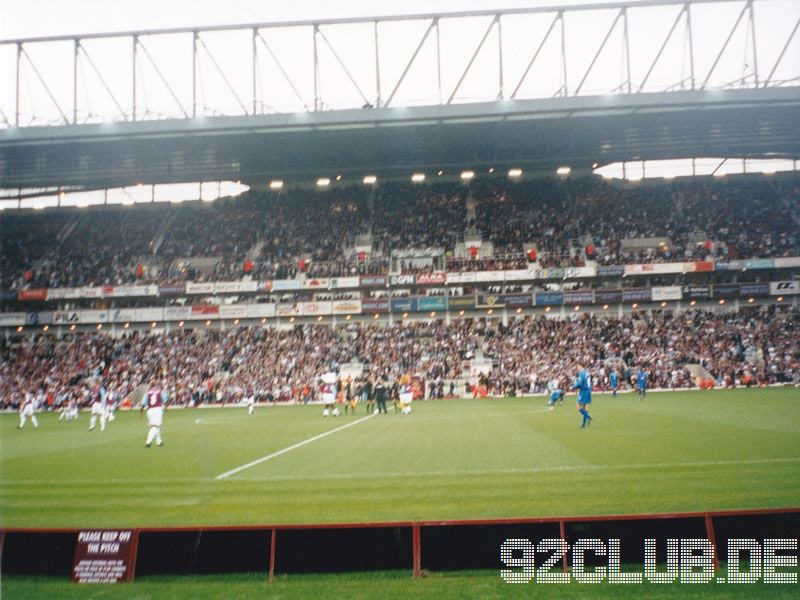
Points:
(555, 396)
(613, 381)
(583, 384)
(641, 383)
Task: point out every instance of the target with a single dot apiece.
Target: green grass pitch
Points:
(459, 459)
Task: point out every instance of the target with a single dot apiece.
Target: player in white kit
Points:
(27, 410)
(155, 414)
(328, 393)
(250, 400)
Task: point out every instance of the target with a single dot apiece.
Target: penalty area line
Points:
(263, 459)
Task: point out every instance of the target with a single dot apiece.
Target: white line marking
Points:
(258, 461)
(529, 471)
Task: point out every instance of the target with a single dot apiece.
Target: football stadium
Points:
(442, 299)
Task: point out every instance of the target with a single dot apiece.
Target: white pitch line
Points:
(258, 461)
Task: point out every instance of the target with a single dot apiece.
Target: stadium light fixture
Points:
(276, 184)
(605, 306)
(323, 182)
(519, 310)
(722, 301)
(19, 329)
(264, 320)
(99, 326)
(180, 324)
(461, 313)
(208, 323)
(126, 325)
(405, 315)
(634, 305)
(338, 178)
(467, 175)
(375, 317)
(693, 302)
(780, 298)
(291, 319)
(576, 308)
(663, 305)
(563, 171)
(418, 177)
(236, 322)
(46, 327)
(749, 300)
(319, 318)
(347, 318)
(491, 169)
(370, 179)
(72, 327)
(768, 172)
(153, 324)
(514, 173)
(440, 172)
(720, 174)
(490, 311)
(433, 313)
(547, 309)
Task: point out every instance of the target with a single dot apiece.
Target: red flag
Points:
(473, 251)
(362, 256)
(532, 255)
(139, 270)
(248, 266)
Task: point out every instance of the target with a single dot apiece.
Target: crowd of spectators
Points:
(546, 222)
(759, 346)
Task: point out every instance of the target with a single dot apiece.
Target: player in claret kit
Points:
(328, 393)
(250, 399)
(154, 401)
(27, 409)
(99, 409)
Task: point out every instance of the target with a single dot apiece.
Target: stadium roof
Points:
(533, 134)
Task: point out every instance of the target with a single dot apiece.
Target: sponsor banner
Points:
(200, 288)
(12, 294)
(789, 261)
(289, 309)
(517, 300)
(346, 307)
(94, 316)
(130, 291)
(90, 292)
(579, 272)
(579, 297)
(490, 275)
(726, 290)
(657, 268)
(697, 292)
(466, 277)
(728, 265)
(338, 283)
(172, 290)
(148, 314)
(233, 287)
(607, 296)
(753, 289)
(549, 273)
(784, 288)
(104, 556)
(283, 285)
(490, 301)
(33, 318)
(700, 266)
(610, 271)
(461, 302)
(402, 280)
(260, 311)
(399, 305)
(263, 286)
(233, 311)
(313, 309)
(177, 313)
(375, 305)
(12, 319)
(62, 293)
(317, 283)
(121, 315)
(759, 263)
(32, 294)
(636, 295)
(426, 303)
(373, 281)
(205, 309)
(66, 316)
(667, 292)
(519, 274)
(549, 298)
(437, 278)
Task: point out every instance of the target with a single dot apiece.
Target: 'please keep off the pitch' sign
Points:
(103, 556)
